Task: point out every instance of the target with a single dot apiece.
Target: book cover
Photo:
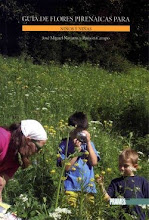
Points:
(60, 57)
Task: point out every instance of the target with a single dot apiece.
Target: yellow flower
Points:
(46, 126)
(90, 184)
(105, 122)
(97, 175)
(68, 164)
(103, 172)
(73, 169)
(63, 178)
(58, 155)
(124, 147)
(139, 167)
(61, 120)
(52, 171)
(79, 179)
(76, 164)
(52, 131)
(92, 179)
(24, 87)
(86, 153)
(109, 170)
(84, 160)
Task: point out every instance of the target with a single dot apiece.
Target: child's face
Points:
(126, 167)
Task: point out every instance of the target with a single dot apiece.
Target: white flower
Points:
(141, 153)
(27, 95)
(23, 198)
(44, 109)
(95, 122)
(63, 210)
(143, 206)
(55, 215)
(58, 211)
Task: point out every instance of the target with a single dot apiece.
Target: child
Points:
(79, 171)
(128, 185)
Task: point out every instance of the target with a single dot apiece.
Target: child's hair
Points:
(131, 154)
(78, 119)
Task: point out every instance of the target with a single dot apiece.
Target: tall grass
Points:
(54, 92)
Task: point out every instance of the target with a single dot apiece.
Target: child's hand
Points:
(88, 137)
(100, 180)
(77, 144)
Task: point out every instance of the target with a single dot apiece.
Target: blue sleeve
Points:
(61, 154)
(145, 188)
(111, 190)
(96, 152)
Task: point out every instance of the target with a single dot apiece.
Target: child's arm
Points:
(92, 156)
(101, 184)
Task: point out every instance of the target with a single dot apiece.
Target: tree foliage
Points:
(107, 53)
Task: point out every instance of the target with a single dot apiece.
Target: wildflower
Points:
(45, 126)
(86, 153)
(52, 171)
(109, 170)
(63, 210)
(73, 169)
(23, 198)
(125, 146)
(68, 164)
(97, 176)
(44, 109)
(95, 122)
(63, 178)
(105, 122)
(138, 188)
(143, 206)
(139, 167)
(79, 179)
(92, 179)
(55, 215)
(103, 172)
(52, 131)
(141, 153)
(25, 87)
(90, 185)
(76, 164)
(27, 95)
(110, 123)
(58, 155)
(84, 160)
(61, 120)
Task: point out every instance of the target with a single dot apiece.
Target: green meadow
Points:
(117, 108)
